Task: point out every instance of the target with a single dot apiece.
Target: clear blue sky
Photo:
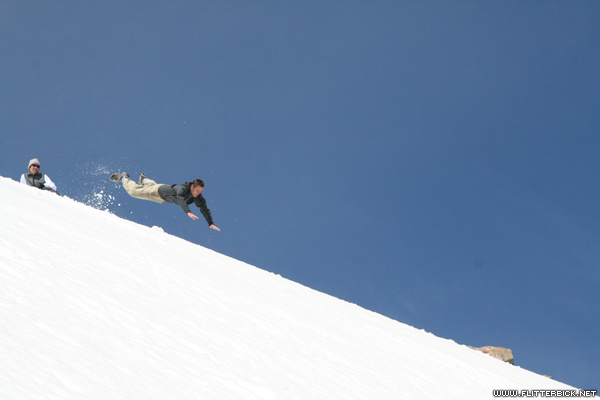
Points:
(436, 162)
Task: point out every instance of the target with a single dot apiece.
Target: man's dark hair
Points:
(198, 183)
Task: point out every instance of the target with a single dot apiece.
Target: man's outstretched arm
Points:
(194, 217)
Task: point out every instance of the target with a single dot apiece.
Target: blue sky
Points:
(433, 162)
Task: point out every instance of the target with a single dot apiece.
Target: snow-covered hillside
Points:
(93, 306)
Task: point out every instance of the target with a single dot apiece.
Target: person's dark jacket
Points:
(182, 196)
(40, 181)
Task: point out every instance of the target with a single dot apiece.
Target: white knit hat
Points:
(34, 161)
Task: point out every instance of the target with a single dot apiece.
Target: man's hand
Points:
(192, 216)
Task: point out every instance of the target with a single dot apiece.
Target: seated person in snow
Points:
(182, 195)
(36, 179)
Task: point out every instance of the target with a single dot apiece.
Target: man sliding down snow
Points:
(182, 195)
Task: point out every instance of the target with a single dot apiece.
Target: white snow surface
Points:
(93, 306)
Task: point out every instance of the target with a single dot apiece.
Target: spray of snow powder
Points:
(91, 185)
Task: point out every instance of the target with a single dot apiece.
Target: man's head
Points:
(197, 187)
(34, 166)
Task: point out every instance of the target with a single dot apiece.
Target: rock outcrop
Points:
(500, 353)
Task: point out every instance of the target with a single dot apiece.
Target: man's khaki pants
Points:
(147, 191)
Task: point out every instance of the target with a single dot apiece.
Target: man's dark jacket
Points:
(182, 196)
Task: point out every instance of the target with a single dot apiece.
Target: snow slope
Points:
(93, 306)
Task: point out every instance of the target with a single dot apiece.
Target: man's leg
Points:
(147, 191)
